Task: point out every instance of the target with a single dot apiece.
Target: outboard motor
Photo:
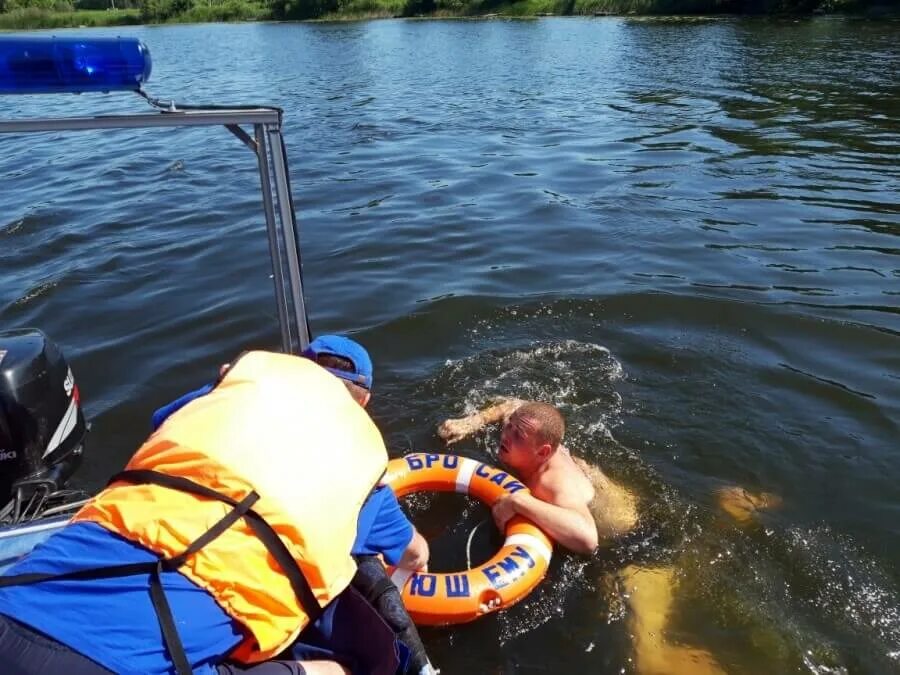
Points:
(42, 427)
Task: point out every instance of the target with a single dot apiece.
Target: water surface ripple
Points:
(686, 233)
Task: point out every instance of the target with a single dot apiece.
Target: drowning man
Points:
(575, 503)
(580, 508)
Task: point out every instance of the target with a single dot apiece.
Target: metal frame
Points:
(268, 145)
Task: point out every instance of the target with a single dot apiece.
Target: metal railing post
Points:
(274, 241)
(289, 231)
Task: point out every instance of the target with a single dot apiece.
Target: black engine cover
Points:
(42, 427)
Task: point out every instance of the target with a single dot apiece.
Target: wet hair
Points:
(359, 394)
(551, 427)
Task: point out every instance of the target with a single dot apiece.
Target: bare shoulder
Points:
(615, 508)
(566, 484)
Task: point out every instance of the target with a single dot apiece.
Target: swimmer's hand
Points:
(503, 510)
(454, 430)
(489, 606)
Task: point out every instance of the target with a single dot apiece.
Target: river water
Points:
(686, 233)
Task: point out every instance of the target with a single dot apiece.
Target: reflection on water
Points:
(683, 233)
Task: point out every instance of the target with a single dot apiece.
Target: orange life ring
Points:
(459, 597)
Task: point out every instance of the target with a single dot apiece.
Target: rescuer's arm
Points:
(415, 557)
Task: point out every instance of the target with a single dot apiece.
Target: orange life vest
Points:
(277, 426)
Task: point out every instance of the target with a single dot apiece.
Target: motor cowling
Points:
(42, 427)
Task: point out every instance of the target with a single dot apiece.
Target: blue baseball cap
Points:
(344, 347)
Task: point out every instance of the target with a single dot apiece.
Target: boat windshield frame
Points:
(267, 143)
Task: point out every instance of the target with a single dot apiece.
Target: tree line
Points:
(158, 11)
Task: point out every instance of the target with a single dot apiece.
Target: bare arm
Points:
(453, 430)
(416, 555)
(568, 522)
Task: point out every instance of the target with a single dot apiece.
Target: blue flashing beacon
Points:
(72, 65)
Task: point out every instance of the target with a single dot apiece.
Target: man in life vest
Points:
(382, 530)
(229, 533)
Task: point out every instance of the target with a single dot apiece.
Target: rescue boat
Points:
(42, 427)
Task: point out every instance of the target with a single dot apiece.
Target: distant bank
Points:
(27, 14)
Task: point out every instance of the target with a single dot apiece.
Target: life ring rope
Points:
(437, 599)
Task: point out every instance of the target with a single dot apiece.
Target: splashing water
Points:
(577, 377)
(772, 593)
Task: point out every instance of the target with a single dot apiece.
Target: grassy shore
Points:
(32, 17)
(350, 10)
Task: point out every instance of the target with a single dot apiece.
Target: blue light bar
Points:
(72, 65)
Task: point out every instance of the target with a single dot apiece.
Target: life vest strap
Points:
(257, 523)
(107, 572)
(157, 598)
(167, 622)
(241, 509)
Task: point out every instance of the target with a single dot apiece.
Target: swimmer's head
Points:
(531, 436)
(346, 359)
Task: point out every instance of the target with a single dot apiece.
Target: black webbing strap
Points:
(257, 523)
(109, 572)
(241, 509)
(286, 562)
(229, 519)
(154, 569)
(158, 594)
(167, 623)
(138, 476)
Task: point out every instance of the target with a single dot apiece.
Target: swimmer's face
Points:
(520, 446)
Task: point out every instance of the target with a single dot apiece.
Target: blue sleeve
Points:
(160, 415)
(383, 527)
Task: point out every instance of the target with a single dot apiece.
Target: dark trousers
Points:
(373, 582)
(24, 651)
